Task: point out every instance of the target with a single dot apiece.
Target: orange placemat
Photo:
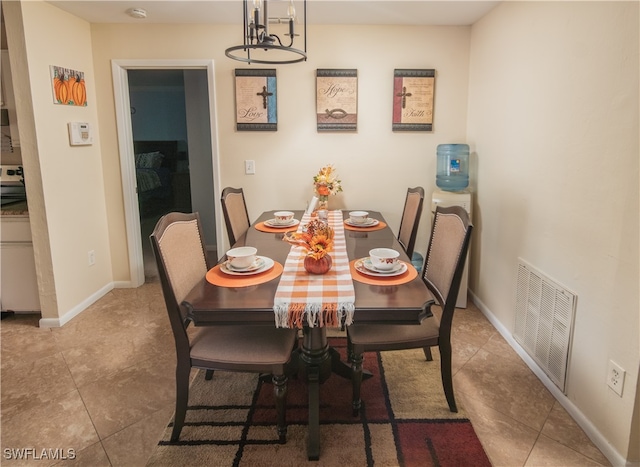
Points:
(380, 225)
(410, 274)
(216, 277)
(262, 227)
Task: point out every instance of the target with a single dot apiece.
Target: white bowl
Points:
(384, 259)
(283, 217)
(358, 217)
(242, 257)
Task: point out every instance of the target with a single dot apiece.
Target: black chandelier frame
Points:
(256, 37)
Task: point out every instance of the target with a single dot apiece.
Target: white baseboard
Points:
(589, 428)
(76, 310)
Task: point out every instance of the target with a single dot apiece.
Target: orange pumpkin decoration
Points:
(317, 266)
(69, 82)
(79, 91)
(61, 89)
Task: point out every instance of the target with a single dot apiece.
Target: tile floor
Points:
(102, 385)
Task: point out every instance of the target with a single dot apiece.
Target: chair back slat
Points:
(236, 217)
(183, 257)
(180, 253)
(446, 255)
(411, 219)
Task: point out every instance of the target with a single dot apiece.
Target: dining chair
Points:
(178, 246)
(442, 273)
(236, 216)
(411, 219)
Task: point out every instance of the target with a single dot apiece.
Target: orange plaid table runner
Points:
(316, 300)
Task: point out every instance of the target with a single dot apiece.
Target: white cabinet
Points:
(18, 280)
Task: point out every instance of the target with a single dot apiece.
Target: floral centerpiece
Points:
(326, 183)
(317, 240)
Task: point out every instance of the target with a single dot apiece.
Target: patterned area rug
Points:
(405, 421)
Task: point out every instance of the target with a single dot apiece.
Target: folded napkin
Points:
(316, 300)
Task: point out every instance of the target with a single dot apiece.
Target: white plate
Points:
(361, 266)
(264, 264)
(367, 263)
(272, 223)
(257, 264)
(369, 223)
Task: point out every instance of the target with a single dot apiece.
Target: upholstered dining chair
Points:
(178, 246)
(442, 273)
(411, 219)
(236, 216)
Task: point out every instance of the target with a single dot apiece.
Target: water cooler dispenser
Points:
(455, 198)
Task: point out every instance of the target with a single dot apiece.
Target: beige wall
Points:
(64, 183)
(553, 118)
(375, 164)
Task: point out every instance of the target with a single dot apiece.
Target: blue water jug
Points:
(453, 167)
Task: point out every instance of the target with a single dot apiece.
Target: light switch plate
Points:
(249, 167)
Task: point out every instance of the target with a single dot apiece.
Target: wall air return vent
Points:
(544, 321)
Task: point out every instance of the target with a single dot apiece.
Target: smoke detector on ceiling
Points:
(137, 13)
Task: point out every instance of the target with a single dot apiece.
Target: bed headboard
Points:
(168, 148)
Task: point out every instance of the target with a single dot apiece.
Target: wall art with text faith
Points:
(413, 92)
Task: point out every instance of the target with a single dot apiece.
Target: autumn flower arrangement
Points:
(317, 240)
(326, 183)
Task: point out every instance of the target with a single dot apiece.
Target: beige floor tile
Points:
(90, 363)
(471, 326)
(547, 452)
(123, 398)
(61, 423)
(107, 323)
(134, 445)
(34, 383)
(20, 322)
(24, 342)
(506, 386)
(498, 345)
(506, 441)
(92, 456)
(461, 353)
(563, 429)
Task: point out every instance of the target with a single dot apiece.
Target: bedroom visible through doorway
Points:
(165, 149)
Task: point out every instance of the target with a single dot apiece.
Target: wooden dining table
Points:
(316, 360)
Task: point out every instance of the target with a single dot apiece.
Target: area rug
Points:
(405, 420)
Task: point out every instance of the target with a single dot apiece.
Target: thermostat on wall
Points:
(80, 134)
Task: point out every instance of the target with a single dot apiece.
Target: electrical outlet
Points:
(249, 167)
(92, 257)
(615, 377)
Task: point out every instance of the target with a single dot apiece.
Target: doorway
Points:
(161, 150)
(192, 161)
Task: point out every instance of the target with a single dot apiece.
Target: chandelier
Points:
(261, 46)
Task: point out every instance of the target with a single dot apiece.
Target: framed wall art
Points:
(413, 100)
(256, 100)
(337, 99)
(68, 86)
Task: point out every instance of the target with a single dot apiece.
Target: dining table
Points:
(383, 301)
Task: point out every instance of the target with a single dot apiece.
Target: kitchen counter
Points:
(15, 209)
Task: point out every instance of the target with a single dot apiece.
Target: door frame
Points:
(125, 146)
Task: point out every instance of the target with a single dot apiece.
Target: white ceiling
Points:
(411, 12)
